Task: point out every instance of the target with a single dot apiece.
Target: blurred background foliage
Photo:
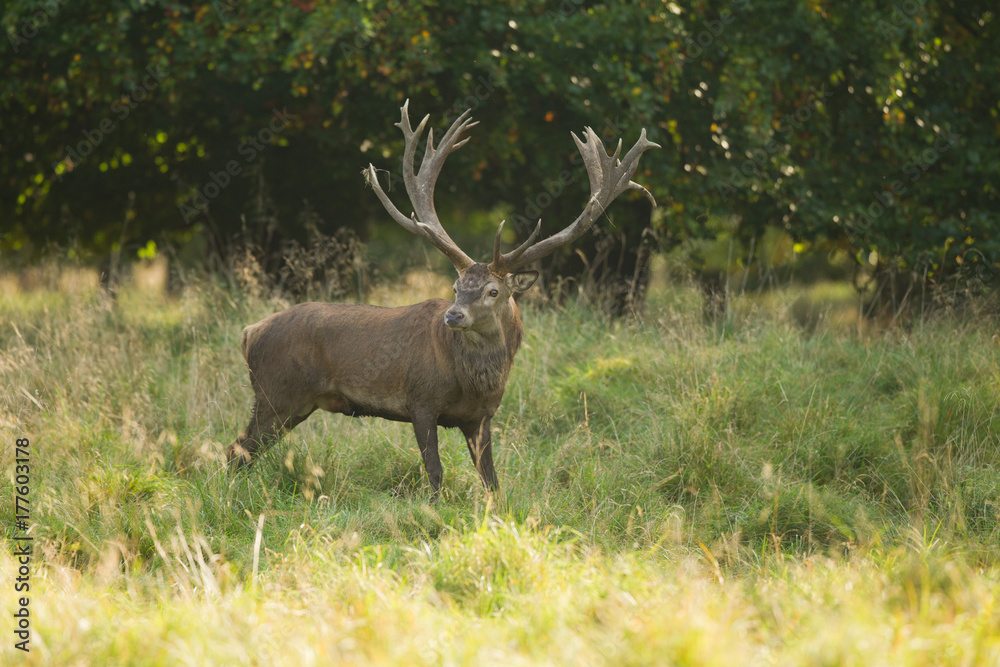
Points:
(861, 136)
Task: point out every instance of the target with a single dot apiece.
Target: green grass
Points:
(673, 493)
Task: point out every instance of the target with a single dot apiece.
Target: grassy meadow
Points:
(754, 492)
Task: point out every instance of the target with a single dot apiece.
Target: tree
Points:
(869, 127)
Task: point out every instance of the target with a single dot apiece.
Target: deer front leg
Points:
(478, 439)
(425, 428)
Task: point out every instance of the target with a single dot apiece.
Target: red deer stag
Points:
(435, 363)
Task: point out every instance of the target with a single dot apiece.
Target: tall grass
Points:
(672, 492)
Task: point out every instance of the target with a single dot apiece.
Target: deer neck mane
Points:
(484, 358)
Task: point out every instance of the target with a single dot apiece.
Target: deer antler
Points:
(420, 186)
(609, 177)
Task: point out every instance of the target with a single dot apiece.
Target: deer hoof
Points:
(237, 457)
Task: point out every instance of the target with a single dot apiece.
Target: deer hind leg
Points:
(267, 424)
(479, 441)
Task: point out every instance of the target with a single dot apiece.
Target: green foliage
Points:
(866, 127)
(852, 128)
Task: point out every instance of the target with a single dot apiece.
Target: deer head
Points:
(481, 289)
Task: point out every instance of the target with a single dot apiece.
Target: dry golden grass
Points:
(763, 492)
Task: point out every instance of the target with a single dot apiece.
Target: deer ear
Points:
(520, 282)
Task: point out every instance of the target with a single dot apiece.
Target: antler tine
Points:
(631, 163)
(609, 177)
(420, 185)
(371, 179)
(404, 121)
(497, 255)
(433, 160)
(591, 157)
(501, 262)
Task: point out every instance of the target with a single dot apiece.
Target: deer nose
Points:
(454, 318)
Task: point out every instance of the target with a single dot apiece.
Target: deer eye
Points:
(493, 292)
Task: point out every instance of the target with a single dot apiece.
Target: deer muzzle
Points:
(455, 318)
